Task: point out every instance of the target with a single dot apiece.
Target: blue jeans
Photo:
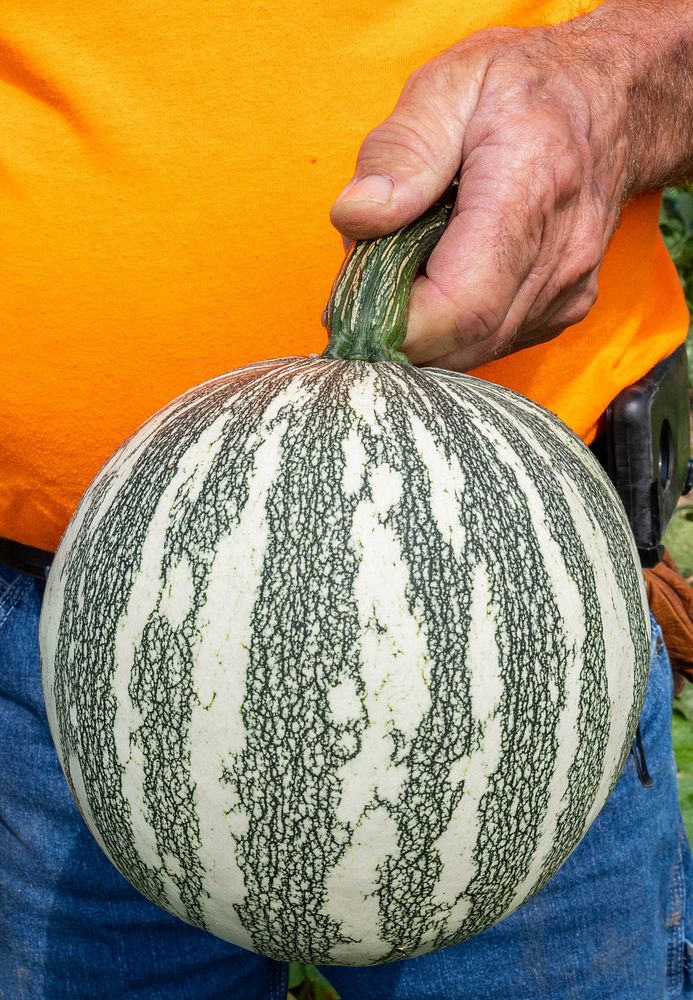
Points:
(611, 925)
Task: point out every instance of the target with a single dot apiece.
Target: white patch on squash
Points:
(386, 488)
(395, 671)
(74, 771)
(485, 681)
(178, 593)
(446, 485)
(217, 733)
(343, 702)
(293, 395)
(619, 649)
(456, 844)
(354, 463)
(119, 467)
(366, 402)
(351, 889)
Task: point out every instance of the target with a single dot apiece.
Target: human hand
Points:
(539, 126)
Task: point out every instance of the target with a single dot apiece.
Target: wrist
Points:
(637, 56)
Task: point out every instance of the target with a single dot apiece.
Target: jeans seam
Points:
(280, 983)
(11, 598)
(675, 944)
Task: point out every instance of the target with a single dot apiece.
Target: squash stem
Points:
(366, 315)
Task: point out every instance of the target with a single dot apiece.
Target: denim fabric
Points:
(611, 925)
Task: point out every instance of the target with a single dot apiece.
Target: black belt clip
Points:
(646, 451)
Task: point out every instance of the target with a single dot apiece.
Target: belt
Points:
(25, 558)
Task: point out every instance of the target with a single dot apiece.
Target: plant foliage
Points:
(676, 224)
(306, 983)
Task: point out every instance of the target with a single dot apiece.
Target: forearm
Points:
(643, 51)
(550, 130)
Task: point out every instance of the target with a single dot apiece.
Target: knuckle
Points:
(446, 88)
(476, 323)
(578, 308)
(582, 264)
(450, 69)
(414, 145)
(591, 289)
(470, 323)
(588, 297)
(586, 251)
(543, 334)
(566, 172)
(573, 316)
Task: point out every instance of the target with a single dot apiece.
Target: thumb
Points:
(414, 155)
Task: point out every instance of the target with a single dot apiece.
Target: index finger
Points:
(470, 300)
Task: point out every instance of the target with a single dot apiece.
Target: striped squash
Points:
(342, 657)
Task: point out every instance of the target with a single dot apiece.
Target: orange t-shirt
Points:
(166, 173)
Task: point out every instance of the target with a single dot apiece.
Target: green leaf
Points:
(682, 728)
(306, 983)
(678, 539)
(297, 974)
(685, 209)
(676, 224)
(683, 744)
(323, 990)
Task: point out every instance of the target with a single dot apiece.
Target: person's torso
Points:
(166, 174)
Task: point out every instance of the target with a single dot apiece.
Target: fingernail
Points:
(374, 187)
